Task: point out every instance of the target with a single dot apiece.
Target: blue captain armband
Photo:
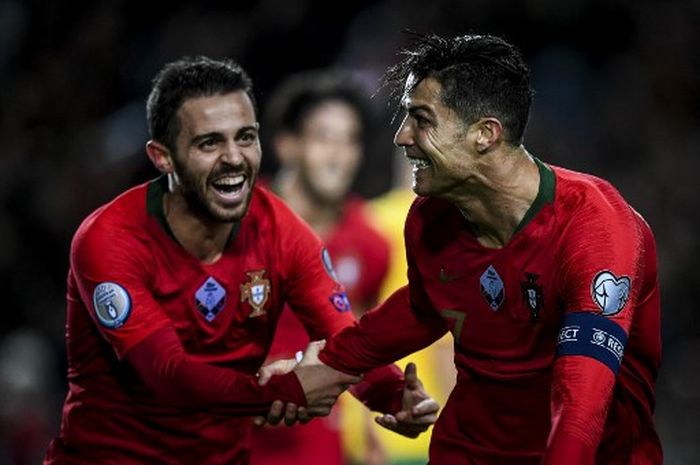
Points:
(592, 335)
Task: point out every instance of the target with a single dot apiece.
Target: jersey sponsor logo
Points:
(592, 335)
(609, 292)
(210, 298)
(256, 291)
(533, 295)
(112, 304)
(328, 264)
(492, 288)
(340, 301)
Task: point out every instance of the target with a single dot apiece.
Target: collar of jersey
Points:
(154, 206)
(545, 194)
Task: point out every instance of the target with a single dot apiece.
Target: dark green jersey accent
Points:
(154, 206)
(545, 194)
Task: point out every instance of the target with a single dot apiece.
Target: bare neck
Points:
(204, 239)
(504, 188)
(321, 216)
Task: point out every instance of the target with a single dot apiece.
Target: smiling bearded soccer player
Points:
(175, 288)
(547, 278)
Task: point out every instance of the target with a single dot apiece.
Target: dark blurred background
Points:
(618, 89)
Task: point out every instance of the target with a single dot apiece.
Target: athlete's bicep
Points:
(110, 273)
(311, 286)
(600, 271)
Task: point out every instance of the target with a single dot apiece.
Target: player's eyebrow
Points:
(414, 109)
(209, 135)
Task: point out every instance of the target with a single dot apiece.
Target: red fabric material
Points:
(508, 380)
(174, 378)
(360, 257)
(111, 415)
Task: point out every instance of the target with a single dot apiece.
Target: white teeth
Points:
(419, 162)
(230, 180)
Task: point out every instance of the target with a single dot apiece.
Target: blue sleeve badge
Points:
(340, 301)
(592, 335)
(112, 304)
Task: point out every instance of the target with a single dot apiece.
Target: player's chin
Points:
(227, 212)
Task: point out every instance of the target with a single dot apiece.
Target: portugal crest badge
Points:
(256, 291)
(533, 295)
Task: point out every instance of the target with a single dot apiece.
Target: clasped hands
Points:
(322, 385)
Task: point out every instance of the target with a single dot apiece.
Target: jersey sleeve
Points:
(401, 325)
(112, 272)
(311, 287)
(601, 269)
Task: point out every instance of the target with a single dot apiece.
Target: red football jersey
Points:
(540, 328)
(130, 278)
(361, 259)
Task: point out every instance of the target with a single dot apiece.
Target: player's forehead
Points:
(422, 95)
(334, 114)
(217, 113)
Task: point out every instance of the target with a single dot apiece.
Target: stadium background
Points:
(618, 89)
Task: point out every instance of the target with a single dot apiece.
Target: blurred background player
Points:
(318, 122)
(437, 370)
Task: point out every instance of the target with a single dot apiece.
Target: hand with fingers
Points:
(276, 368)
(418, 409)
(321, 384)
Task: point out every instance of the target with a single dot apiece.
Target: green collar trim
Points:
(545, 194)
(154, 207)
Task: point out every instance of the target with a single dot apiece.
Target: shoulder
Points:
(124, 215)
(115, 233)
(428, 211)
(267, 210)
(584, 193)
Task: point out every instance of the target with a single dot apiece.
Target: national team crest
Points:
(492, 288)
(610, 292)
(533, 295)
(210, 298)
(256, 291)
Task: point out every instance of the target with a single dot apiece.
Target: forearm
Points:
(175, 378)
(384, 335)
(581, 394)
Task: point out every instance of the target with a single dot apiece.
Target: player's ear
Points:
(160, 156)
(489, 132)
(286, 145)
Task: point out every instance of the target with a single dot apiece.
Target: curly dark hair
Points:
(480, 75)
(186, 78)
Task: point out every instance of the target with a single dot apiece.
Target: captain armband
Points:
(592, 335)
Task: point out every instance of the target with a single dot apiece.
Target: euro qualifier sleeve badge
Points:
(256, 292)
(112, 304)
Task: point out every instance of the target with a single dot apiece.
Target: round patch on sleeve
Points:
(112, 304)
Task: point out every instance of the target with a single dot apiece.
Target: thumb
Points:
(312, 351)
(280, 367)
(411, 376)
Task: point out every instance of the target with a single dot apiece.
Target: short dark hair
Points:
(302, 93)
(190, 77)
(480, 75)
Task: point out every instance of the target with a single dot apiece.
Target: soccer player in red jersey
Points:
(317, 121)
(175, 288)
(546, 277)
